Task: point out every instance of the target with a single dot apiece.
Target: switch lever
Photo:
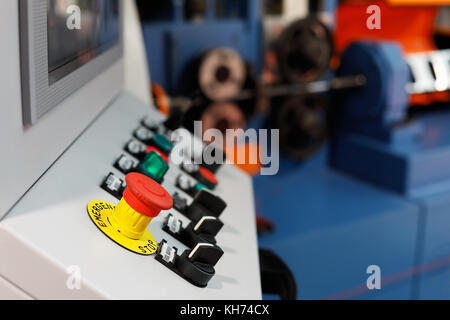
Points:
(196, 265)
(209, 226)
(204, 230)
(205, 204)
(205, 253)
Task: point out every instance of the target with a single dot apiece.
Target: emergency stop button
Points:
(143, 200)
(126, 224)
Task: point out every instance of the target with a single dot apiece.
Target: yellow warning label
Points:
(100, 213)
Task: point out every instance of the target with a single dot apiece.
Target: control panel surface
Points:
(51, 243)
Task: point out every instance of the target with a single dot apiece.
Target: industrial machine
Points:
(97, 204)
(378, 194)
(93, 205)
(182, 35)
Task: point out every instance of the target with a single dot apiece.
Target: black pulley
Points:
(302, 122)
(304, 50)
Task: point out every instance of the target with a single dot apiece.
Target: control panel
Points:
(116, 217)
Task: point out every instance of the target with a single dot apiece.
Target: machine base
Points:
(414, 167)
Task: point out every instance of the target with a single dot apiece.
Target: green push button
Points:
(200, 186)
(162, 143)
(154, 166)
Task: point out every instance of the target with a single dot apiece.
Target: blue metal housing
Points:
(330, 228)
(373, 141)
(173, 42)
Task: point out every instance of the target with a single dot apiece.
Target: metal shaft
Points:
(322, 86)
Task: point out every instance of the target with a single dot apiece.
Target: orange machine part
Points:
(419, 2)
(408, 22)
(252, 169)
(161, 99)
(412, 27)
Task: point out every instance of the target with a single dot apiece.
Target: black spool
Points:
(304, 50)
(302, 122)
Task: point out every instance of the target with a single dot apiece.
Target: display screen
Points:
(78, 31)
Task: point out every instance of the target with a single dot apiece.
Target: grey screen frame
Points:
(38, 96)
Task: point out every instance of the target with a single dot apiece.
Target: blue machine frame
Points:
(173, 42)
(379, 195)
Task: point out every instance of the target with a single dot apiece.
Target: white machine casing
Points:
(50, 172)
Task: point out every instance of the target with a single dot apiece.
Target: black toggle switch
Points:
(208, 225)
(204, 253)
(190, 168)
(125, 164)
(213, 150)
(205, 204)
(163, 128)
(184, 183)
(179, 203)
(143, 134)
(151, 124)
(137, 149)
(196, 265)
(154, 139)
(204, 230)
(113, 185)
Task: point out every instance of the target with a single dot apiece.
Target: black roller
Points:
(304, 50)
(302, 124)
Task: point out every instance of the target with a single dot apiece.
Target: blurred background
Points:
(359, 91)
